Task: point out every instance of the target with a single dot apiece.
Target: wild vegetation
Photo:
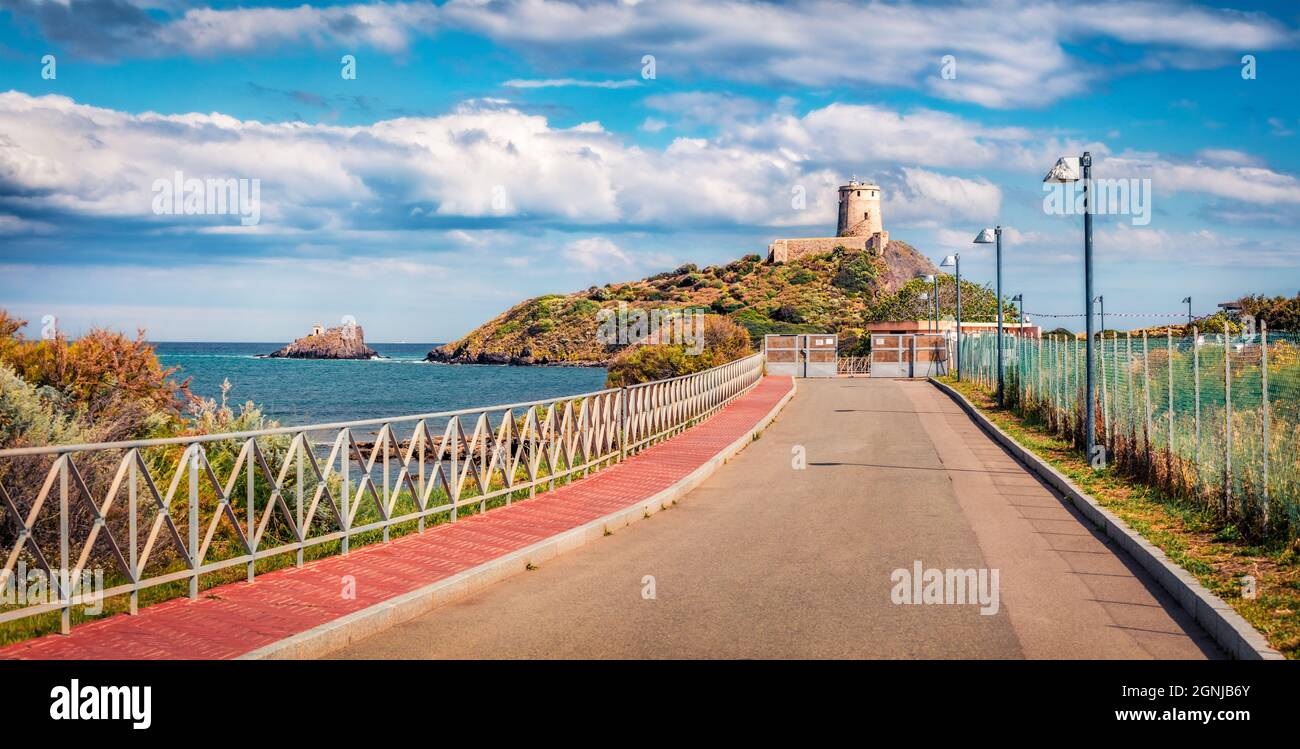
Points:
(724, 341)
(837, 292)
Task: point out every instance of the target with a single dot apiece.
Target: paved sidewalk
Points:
(230, 620)
(766, 561)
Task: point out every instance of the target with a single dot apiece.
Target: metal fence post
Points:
(1128, 385)
(1146, 395)
(1114, 358)
(1105, 399)
(1038, 364)
(1169, 347)
(1196, 378)
(1227, 418)
(1263, 353)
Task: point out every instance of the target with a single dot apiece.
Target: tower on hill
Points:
(860, 228)
(859, 209)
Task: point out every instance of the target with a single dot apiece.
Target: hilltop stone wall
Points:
(786, 250)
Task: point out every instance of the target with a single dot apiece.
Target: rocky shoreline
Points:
(441, 355)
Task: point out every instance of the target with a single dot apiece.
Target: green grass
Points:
(1193, 536)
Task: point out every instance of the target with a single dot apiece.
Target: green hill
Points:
(836, 292)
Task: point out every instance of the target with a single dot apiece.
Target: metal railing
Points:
(289, 489)
(854, 365)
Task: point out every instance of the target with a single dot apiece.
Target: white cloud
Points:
(493, 166)
(1233, 176)
(1008, 53)
(926, 197)
(596, 253)
(1200, 247)
(569, 82)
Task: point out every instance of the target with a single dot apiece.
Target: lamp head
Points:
(949, 261)
(1066, 170)
(986, 236)
(924, 297)
(929, 278)
(1188, 300)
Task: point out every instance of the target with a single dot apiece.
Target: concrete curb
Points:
(1224, 625)
(331, 636)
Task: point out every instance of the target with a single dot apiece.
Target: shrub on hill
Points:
(724, 341)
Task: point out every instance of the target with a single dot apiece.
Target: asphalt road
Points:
(766, 560)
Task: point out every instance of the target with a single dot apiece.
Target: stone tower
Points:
(859, 210)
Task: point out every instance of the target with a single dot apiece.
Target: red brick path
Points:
(230, 620)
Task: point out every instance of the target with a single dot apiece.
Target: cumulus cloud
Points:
(481, 167)
(1200, 247)
(475, 167)
(1229, 174)
(569, 83)
(1007, 53)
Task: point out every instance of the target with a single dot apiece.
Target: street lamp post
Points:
(1019, 299)
(1072, 169)
(1188, 302)
(994, 236)
(954, 261)
(1101, 300)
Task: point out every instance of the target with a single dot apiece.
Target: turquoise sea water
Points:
(296, 391)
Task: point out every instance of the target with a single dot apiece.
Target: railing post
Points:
(386, 432)
(302, 532)
(65, 597)
(418, 440)
(194, 521)
(345, 452)
(453, 491)
(132, 530)
(250, 511)
(622, 423)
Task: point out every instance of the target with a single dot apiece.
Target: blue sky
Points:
(490, 151)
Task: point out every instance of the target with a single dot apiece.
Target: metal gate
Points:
(802, 355)
(908, 355)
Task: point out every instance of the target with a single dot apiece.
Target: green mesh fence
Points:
(1212, 416)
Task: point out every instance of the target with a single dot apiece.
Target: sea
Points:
(295, 392)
